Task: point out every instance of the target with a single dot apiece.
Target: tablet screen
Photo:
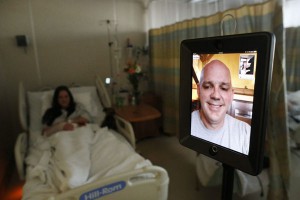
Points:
(226, 98)
(224, 90)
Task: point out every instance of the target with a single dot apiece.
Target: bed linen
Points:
(69, 159)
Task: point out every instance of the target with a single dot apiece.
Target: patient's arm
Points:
(65, 126)
(81, 121)
(61, 126)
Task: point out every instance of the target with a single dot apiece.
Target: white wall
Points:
(68, 44)
(291, 14)
(165, 12)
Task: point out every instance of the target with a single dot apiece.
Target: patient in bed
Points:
(65, 113)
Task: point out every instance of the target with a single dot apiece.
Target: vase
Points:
(135, 97)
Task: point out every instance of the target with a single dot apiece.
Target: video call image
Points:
(222, 98)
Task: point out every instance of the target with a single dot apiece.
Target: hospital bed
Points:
(89, 163)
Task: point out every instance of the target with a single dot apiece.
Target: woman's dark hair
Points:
(55, 111)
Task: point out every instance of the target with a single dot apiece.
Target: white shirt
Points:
(234, 134)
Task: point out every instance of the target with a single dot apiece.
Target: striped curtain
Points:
(164, 44)
(292, 58)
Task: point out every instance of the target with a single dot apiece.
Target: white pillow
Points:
(35, 100)
(84, 98)
(46, 99)
(91, 103)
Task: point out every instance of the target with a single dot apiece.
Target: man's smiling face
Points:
(215, 93)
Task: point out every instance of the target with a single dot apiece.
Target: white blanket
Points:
(69, 159)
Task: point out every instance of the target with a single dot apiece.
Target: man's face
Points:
(216, 94)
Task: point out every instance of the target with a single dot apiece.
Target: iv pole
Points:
(112, 42)
(110, 81)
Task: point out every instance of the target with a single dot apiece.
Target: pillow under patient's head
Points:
(40, 101)
(83, 98)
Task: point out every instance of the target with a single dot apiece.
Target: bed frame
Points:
(123, 126)
(149, 183)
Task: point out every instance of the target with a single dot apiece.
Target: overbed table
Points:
(143, 118)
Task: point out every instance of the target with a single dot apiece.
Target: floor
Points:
(13, 189)
(295, 178)
(179, 161)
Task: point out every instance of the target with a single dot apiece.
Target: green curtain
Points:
(164, 44)
(292, 58)
(277, 127)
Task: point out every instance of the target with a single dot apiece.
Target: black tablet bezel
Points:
(264, 44)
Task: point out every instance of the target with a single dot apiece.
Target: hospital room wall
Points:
(68, 43)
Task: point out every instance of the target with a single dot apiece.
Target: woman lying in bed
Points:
(71, 158)
(65, 113)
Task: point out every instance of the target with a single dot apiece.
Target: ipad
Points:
(224, 88)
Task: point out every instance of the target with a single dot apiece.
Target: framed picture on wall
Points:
(247, 65)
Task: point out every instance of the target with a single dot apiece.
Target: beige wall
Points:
(68, 44)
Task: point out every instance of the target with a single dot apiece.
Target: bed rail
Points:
(126, 129)
(123, 126)
(148, 183)
(23, 113)
(20, 153)
(102, 91)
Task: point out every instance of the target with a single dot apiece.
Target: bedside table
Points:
(143, 118)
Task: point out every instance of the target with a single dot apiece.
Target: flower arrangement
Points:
(135, 74)
(133, 69)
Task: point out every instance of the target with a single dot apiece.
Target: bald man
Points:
(211, 122)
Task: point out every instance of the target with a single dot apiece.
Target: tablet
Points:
(224, 88)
